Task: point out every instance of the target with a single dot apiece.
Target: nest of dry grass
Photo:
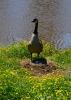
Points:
(38, 69)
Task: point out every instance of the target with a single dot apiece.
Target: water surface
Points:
(54, 20)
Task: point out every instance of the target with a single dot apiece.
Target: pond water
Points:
(54, 20)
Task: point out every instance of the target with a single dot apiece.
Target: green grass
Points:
(17, 83)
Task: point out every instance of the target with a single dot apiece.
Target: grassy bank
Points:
(17, 83)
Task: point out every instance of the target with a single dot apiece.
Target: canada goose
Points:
(35, 45)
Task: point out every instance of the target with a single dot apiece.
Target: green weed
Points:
(17, 83)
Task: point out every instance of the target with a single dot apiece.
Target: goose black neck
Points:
(36, 29)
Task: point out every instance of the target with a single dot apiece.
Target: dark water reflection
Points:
(54, 20)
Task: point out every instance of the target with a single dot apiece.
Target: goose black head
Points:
(35, 20)
(36, 26)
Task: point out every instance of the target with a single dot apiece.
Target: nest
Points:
(38, 66)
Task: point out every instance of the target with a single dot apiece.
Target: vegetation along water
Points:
(18, 83)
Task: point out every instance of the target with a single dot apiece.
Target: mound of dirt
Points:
(38, 69)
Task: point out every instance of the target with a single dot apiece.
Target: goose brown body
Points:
(35, 45)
